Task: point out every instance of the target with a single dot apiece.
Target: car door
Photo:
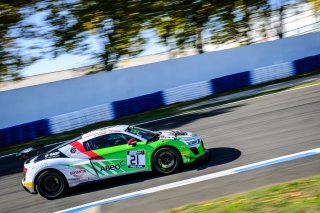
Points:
(113, 151)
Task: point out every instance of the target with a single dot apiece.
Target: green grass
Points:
(153, 114)
(296, 196)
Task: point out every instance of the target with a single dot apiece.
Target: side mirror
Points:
(24, 154)
(132, 142)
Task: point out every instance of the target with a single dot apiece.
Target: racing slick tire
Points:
(166, 160)
(51, 184)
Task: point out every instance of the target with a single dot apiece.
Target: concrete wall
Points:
(43, 101)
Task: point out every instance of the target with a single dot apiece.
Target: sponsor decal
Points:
(39, 165)
(185, 152)
(111, 167)
(78, 173)
(73, 150)
(52, 154)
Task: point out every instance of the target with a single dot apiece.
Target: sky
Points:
(69, 61)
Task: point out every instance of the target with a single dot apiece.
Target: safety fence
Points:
(187, 92)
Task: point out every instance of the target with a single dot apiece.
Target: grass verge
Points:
(156, 114)
(296, 196)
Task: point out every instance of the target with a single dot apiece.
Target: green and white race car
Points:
(105, 153)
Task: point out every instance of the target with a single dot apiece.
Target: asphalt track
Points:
(236, 135)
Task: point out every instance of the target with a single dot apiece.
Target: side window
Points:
(105, 141)
(87, 145)
(96, 143)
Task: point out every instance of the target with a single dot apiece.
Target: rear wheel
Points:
(51, 184)
(166, 160)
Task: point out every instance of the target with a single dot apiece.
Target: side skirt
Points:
(107, 177)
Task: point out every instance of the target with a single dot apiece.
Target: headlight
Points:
(191, 141)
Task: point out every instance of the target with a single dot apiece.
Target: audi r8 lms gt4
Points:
(105, 153)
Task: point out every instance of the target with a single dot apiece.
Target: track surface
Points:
(236, 135)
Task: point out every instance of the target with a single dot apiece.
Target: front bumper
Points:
(202, 157)
(195, 154)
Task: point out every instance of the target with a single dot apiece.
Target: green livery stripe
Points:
(88, 165)
(110, 173)
(99, 168)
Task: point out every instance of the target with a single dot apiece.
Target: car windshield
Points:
(144, 133)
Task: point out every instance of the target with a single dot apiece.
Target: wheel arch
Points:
(48, 169)
(164, 146)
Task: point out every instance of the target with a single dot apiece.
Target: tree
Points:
(13, 56)
(196, 15)
(233, 21)
(119, 25)
(181, 23)
(167, 21)
(316, 6)
(116, 23)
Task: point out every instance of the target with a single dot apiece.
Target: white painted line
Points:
(3, 156)
(195, 111)
(196, 179)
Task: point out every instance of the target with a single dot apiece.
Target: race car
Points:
(105, 153)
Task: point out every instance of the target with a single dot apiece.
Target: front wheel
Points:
(51, 184)
(166, 160)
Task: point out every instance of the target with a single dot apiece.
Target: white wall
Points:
(47, 100)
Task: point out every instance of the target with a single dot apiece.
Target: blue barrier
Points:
(272, 72)
(4, 137)
(307, 64)
(138, 104)
(187, 92)
(230, 82)
(61, 123)
(24, 132)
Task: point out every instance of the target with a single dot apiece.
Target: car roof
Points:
(105, 130)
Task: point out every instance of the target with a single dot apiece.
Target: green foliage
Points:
(233, 21)
(316, 6)
(120, 25)
(11, 29)
(117, 23)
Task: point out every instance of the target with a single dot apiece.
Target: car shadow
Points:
(217, 156)
(180, 120)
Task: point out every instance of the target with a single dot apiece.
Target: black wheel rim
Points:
(166, 160)
(51, 185)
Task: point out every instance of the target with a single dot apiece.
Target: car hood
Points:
(173, 134)
(189, 138)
